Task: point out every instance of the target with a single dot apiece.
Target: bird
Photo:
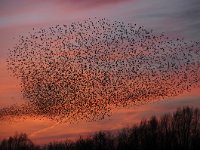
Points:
(81, 71)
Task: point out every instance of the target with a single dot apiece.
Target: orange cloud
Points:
(43, 131)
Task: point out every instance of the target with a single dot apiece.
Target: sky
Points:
(177, 18)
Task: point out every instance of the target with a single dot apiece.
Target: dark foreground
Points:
(177, 131)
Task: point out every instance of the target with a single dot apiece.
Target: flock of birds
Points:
(84, 70)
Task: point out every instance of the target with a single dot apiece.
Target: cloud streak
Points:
(22, 12)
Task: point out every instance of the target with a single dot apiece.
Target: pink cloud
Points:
(14, 13)
(94, 3)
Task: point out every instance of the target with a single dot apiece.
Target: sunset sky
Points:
(177, 18)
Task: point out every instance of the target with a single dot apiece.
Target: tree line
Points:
(173, 131)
